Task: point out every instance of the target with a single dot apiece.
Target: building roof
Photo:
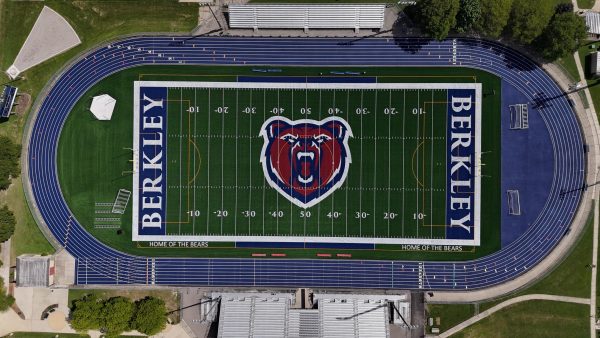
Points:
(33, 271)
(592, 21)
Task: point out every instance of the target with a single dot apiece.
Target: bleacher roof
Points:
(307, 16)
(7, 99)
(592, 21)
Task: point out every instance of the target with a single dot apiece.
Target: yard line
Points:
(375, 173)
(194, 167)
(348, 117)
(263, 183)
(360, 186)
(278, 157)
(418, 135)
(431, 172)
(291, 164)
(403, 156)
(319, 204)
(235, 209)
(305, 104)
(208, 167)
(250, 170)
(333, 195)
(222, 151)
(180, 163)
(389, 160)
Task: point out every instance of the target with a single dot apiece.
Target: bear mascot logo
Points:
(305, 160)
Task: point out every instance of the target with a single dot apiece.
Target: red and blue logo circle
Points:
(305, 160)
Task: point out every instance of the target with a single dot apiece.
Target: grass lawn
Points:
(533, 319)
(95, 177)
(28, 237)
(585, 4)
(94, 22)
(571, 278)
(449, 315)
(568, 64)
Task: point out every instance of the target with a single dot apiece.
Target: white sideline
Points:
(317, 239)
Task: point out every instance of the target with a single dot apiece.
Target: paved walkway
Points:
(510, 302)
(594, 272)
(596, 208)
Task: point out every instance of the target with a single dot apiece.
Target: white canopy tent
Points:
(103, 106)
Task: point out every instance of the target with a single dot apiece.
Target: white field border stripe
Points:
(313, 239)
(269, 85)
(293, 85)
(477, 223)
(136, 178)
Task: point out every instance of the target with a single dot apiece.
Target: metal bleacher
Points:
(519, 116)
(121, 201)
(307, 16)
(7, 99)
(514, 203)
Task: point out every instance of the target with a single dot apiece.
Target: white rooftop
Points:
(103, 106)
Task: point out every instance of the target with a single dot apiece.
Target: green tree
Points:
(5, 300)
(494, 17)
(7, 224)
(529, 18)
(86, 313)
(9, 161)
(468, 13)
(564, 35)
(437, 17)
(116, 315)
(150, 317)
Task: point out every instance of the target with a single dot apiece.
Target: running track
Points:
(99, 264)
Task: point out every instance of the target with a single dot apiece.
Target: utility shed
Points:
(594, 64)
(35, 271)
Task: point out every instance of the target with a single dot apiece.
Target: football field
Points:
(395, 187)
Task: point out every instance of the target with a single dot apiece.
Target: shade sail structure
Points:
(103, 106)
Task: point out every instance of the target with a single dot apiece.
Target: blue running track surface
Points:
(99, 264)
